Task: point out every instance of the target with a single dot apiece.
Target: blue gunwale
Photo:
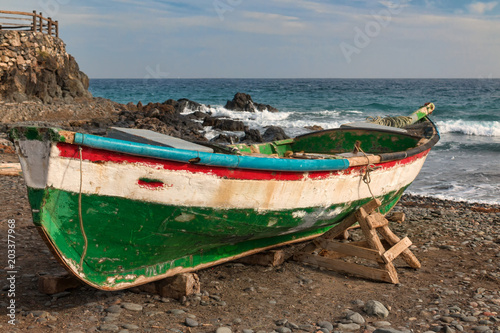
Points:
(211, 159)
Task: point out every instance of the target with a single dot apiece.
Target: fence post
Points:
(57, 29)
(49, 26)
(41, 23)
(33, 27)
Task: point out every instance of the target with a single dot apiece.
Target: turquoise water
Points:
(465, 164)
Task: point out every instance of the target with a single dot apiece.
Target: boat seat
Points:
(372, 126)
(154, 138)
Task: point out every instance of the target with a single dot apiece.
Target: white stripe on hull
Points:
(184, 188)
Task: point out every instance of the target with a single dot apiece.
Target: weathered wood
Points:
(396, 217)
(370, 234)
(10, 169)
(376, 220)
(407, 255)
(351, 250)
(372, 248)
(269, 258)
(351, 268)
(51, 284)
(177, 286)
(396, 250)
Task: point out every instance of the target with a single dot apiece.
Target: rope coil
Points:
(399, 121)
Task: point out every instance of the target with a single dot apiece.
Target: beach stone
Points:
(109, 328)
(355, 317)
(387, 330)
(306, 327)
(130, 326)
(190, 322)
(326, 324)
(283, 330)
(223, 330)
(176, 311)
(381, 324)
(348, 327)
(132, 306)
(110, 318)
(481, 329)
(114, 309)
(375, 308)
(247, 331)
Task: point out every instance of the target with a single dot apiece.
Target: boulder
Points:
(252, 136)
(244, 102)
(224, 124)
(274, 133)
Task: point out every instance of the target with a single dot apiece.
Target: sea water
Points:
(464, 165)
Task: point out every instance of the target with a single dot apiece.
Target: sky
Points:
(278, 38)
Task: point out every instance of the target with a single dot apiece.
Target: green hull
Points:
(131, 242)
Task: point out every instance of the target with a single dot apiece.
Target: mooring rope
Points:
(80, 211)
(367, 177)
(399, 121)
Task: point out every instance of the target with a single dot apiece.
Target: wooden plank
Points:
(397, 249)
(370, 234)
(355, 269)
(363, 160)
(374, 241)
(15, 13)
(398, 217)
(407, 255)
(376, 220)
(10, 169)
(351, 250)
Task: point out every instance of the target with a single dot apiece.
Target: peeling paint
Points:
(299, 214)
(185, 217)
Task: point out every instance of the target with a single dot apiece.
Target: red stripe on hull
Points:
(100, 156)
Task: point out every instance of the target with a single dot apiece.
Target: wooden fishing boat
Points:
(136, 207)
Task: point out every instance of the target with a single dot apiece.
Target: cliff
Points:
(36, 67)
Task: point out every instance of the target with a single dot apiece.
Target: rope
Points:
(80, 212)
(399, 121)
(367, 177)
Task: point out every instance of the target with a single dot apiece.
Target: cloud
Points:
(481, 7)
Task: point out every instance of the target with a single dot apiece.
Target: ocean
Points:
(463, 166)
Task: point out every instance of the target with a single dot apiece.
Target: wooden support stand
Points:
(372, 223)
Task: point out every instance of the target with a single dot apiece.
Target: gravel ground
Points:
(456, 290)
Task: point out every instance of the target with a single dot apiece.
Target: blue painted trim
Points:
(220, 160)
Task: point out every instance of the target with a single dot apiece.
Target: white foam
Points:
(478, 128)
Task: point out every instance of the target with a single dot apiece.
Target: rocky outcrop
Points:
(165, 118)
(36, 67)
(244, 102)
(274, 133)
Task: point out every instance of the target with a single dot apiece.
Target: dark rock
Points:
(244, 102)
(225, 138)
(252, 135)
(224, 124)
(186, 104)
(274, 133)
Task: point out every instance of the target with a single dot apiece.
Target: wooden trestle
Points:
(372, 223)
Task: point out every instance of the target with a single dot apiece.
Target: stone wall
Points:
(36, 67)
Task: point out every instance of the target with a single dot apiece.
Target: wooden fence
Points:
(28, 22)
